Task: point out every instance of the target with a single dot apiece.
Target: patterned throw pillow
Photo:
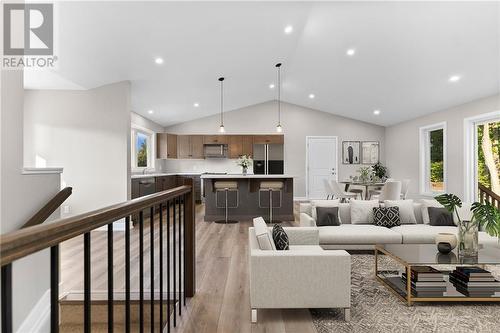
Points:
(386, 217)
(280, 238)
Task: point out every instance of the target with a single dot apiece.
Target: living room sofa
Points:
(349, 236)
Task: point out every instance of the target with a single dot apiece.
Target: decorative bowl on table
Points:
(445, 242)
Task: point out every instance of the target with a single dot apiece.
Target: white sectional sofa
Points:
(349, 236)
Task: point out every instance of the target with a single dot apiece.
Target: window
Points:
(433, 159)
(142, 148)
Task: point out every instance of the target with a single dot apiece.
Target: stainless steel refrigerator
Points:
(268, 159)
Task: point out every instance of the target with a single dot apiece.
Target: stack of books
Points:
(474, 282)
(426, 282)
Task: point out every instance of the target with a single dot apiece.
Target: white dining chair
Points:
(390, 191)
(337, 191)
(405, 183)
(376, 192)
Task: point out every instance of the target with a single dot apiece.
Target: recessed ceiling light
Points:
(271, 86)
(454, 78)
(288, 29)
(311, 96)
(351, 52)
(376, 112)
(196, 105)
(150, 111)
(159, 61)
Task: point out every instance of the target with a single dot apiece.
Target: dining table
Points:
(366, 185)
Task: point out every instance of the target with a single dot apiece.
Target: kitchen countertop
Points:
(161, 174)
(233, 176)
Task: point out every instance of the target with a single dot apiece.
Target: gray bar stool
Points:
(270, 187)
(226, 187)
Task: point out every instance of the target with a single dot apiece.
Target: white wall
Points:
(88, 134)
(140, 121)
(402, 143)
(298, 122)
(20, 197)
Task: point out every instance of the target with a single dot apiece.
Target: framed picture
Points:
(351, 152)
(370, 152)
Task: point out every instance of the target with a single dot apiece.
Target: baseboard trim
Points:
(39, 317)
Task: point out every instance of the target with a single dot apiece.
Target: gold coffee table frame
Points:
(409, 299)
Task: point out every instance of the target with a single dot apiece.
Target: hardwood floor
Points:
(222, 300)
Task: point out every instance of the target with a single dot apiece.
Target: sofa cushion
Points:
(488, 240)
(327, 216)
(263, 234)
(422, 233)
(362, 211)
(406, 213)
(280, 238)
(322, 203)
(440, 217)
(358, 234)
(306, 248)
(426, 203)
(387, 217)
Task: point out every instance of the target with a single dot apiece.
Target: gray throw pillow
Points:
(440, 217)
(327, 216)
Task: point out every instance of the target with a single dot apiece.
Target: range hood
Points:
(215, 150)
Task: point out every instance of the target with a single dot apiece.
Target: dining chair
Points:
(405, 183)
(337, 191)
(376, 191)
(390, 191)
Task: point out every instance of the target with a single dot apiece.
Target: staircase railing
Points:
(49, 208)
(487, 195)
(174, 212)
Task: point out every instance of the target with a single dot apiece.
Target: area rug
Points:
(376, 309)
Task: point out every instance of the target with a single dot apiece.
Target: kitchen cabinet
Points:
(240, 145)
(268, 139)
(190, 146)
(216, 139)
(166, 145)
(164, 183)
(247, 145)
(196, 185)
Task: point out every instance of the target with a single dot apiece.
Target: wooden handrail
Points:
(23, 242)
(485, 194)
(49, 208)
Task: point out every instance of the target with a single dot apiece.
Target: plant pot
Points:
(467, 239)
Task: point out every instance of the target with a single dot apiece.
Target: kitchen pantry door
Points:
(321, 164)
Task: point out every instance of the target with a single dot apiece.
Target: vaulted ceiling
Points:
(404, 55)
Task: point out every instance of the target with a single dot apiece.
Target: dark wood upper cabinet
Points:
(235, 146)
(264, 139)
(183, 146)
(247, 145)
(216, 139)
(197, 146)
(166, 145)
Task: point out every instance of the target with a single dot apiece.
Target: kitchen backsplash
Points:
(206, 165)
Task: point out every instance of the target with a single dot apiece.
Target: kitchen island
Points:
(248, 197)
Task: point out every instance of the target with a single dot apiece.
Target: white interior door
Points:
(321, 164)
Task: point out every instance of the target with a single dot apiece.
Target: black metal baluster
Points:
(141, 271)
(110, 278)
(161, 264)
(168, 266)
(127, 274)
(184, 256)
(152, 267)
(86, 284)
(54, 289)
(180, 258)
(174, 263)
(7, 298)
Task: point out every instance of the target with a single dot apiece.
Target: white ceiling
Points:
(405, 53)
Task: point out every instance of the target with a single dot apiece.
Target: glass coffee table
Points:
(392, 260)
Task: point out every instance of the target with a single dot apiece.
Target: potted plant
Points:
(365, 174)
(245, 161)
(379, 171)
(482, 215)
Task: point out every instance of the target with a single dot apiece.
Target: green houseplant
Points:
(365, 174)
(482, 215)
(379, 171)
(245, 161)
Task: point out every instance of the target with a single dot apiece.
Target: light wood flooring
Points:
(222, 300)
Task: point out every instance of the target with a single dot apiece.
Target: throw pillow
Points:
(440, 217)
(322, 203)
(327, 216)
(264, 237)
(406, 213)
(280, 238)
(386, 217)
(426, 203)
(362, 211)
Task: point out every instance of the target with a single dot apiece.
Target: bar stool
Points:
(226, 187)
(270, 187)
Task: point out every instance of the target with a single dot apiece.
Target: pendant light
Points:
(221, 128)
(279, 128)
